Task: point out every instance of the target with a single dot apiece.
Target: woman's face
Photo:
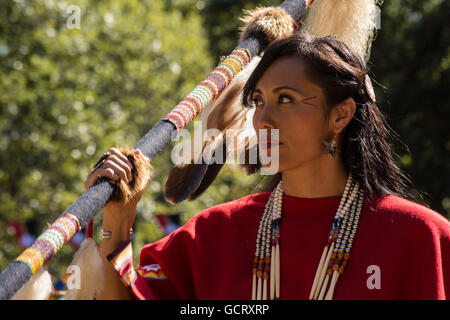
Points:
(287, 100)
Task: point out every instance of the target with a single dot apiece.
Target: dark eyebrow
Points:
(280, 88)
(286, 87)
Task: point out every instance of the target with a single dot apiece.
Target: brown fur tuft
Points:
(183, 180)
(141, 174)
(274, 22)
(92, 279)
(38, 287)
(351, 21)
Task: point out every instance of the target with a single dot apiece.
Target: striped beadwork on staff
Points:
(49, 242)
(208, 89)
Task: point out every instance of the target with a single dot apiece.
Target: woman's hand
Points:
(118, 167)
(120, 212)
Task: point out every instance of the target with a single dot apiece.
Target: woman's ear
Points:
(342, 114)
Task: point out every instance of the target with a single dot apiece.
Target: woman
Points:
(341, 224)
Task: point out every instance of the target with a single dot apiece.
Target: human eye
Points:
(284, 98)
(257, 101)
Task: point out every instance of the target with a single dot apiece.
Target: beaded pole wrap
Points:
(49, 242)
(208, 89)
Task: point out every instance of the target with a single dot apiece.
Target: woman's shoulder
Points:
(222, 219)
(243, 208)
(409, 214)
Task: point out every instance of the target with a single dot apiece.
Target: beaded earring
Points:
(331, 147)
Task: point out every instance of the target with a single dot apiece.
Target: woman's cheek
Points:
(297, 124)
(304, 113)
(303, 132)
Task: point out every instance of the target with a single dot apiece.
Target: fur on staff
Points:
(274, 22)
(90, 265)
(351, 21)
(88, 258)
(140, 173)
(38, 287)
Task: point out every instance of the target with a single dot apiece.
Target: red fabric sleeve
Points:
(175, 254)
(425, 235)
(429, 264)
(165, 268)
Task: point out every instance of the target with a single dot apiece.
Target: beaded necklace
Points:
(335, 255)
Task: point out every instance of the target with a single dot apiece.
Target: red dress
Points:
(400, 251)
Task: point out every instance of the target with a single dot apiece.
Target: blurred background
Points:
(71, 88)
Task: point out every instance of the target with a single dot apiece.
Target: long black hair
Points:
(341, 73)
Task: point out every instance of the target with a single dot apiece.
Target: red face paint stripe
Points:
(305, 101)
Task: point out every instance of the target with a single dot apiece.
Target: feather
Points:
(183, 180)
(351, 21)
(274, 22)
(90, 264)
(226, 115)
(38, 287)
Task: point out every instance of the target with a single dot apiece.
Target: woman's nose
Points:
(265, 119)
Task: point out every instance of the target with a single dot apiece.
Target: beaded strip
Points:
(336, 260)
(261, 242)
(343, 207)
(50, 241)
(267, 259)
(208, 89)
(276, 220)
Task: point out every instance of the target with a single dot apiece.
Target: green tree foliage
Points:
(67, 95)
(411, 61)
(222, 22)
